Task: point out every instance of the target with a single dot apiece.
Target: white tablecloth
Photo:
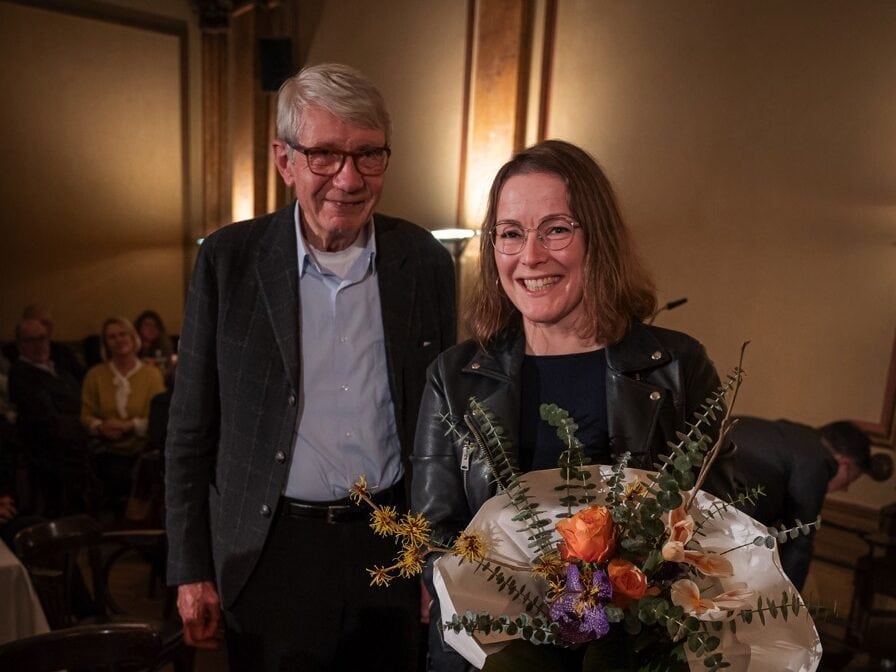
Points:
(20, 612)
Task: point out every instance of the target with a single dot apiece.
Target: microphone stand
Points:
(669, 306)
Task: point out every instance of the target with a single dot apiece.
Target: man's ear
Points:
(281, 152)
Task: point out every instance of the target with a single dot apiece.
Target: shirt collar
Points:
(304, 255)
(49, 367)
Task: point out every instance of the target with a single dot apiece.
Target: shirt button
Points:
(280, 457)
(292, 400)
(344, 388)
(342, 339)
(265, 511)
(474, 365)
(656, 355)
(348, 435)
(655, 396)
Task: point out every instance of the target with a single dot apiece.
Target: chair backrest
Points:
(86, 647)
(54, 547)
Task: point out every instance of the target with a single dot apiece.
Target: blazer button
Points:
(474, 365)
(655, 396)
(292, 400)
(265, 511)
(280, 457)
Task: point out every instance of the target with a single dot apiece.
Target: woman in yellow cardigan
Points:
(115, 406)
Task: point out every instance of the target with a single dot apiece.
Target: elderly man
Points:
(48, 402)
(63, 358)
(302, 361)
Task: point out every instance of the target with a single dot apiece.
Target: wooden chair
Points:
(51, 551)
(121, 646)
(872, 618)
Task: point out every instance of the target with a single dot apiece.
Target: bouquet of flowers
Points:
(636, 570)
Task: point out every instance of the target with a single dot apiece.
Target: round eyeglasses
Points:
(327, 162)
(554, 234)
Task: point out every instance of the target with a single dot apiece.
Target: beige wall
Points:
(414, 50)
(751, 144)
(97, 165)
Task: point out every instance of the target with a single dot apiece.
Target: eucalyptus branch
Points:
(489, 437)
(726, 427)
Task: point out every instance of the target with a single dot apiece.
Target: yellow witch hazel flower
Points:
(384, 521)
(379, 576)
(415, 528)
(470, 546)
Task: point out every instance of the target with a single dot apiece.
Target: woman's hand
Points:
(115, 428)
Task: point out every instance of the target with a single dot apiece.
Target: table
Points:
(20, 611)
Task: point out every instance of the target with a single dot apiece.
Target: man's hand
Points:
(200, 610)
(425, 603)
(7, 509)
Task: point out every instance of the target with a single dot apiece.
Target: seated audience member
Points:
(47, 399)
(115, 406)
(6, 409)
(11, 521)
(797, 466)
(155, 344)
(63, 358)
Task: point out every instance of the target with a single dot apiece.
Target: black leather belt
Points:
(340, 510)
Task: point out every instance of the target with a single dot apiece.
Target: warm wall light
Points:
(454, 235)
(455, 241)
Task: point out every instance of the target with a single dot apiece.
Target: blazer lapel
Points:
(398, 291)
(278, 279)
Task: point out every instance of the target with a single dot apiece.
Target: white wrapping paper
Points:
(777, 646)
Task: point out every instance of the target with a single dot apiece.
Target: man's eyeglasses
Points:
(554, 234)
(327, 162)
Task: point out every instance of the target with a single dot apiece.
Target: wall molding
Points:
(883, 433)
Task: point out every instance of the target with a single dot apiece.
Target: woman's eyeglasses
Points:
(554, 234)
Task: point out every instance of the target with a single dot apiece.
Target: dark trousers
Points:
(309, 605)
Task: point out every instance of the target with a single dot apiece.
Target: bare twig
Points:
(724, 429)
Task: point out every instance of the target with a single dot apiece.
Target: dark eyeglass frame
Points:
(551, 246)
(308, 151)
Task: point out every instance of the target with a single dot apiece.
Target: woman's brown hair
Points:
(618, 290)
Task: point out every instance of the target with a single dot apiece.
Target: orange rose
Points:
(588, 536)
(629, 582)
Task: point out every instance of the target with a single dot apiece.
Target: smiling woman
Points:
(558, 319)
(115, 406)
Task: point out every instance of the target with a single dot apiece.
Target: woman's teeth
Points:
(536, 284)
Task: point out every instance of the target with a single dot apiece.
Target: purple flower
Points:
(578, 610)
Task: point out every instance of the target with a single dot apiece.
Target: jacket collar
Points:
(502, 360)
(638, 350)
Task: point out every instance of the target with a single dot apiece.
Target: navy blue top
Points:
(577, 383)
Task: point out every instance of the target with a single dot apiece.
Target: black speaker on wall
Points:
(275, 55)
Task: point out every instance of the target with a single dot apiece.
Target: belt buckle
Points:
(330, 518)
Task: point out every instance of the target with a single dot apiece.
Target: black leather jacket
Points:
(656, 379)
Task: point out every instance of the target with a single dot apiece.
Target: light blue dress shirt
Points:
(346, 425)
